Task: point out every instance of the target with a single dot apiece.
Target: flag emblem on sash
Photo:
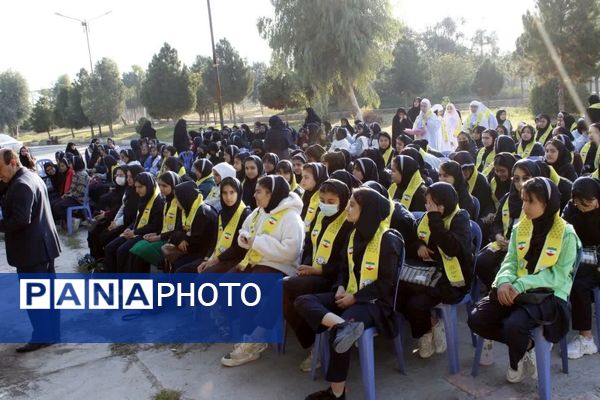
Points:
(521, 245)
(370, 265)
(326, 243)
(551, 251)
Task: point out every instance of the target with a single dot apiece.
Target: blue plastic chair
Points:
(418, 214)
(477, 208)
(597, 304)
(543, 351)
(39, 166)
(448, 312)
(85, 207)
(365, 348)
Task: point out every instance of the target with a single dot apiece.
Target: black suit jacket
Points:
(30, 233)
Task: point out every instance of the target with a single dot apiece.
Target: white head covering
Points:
(451, 117)
(437, 108)
(427, 103)
(225, 170)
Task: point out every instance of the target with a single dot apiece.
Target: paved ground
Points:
(89, 371)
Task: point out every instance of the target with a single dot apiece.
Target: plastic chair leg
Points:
(564, 355)
(399, 347)
(448, 314)
(315, 356)
(477, 357)
(324, 354)
(367, 363)
(88, 213)
(69, 221)
(542, 355)
(597, 305)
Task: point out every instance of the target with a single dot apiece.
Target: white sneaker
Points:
(530, 363)
(516, 376)
(487, 353)
(76, 223)
(306, 365)
(439, 337)
(244, 353)
(426, 348)
(581, 346)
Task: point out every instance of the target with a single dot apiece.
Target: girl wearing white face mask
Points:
(321, 258)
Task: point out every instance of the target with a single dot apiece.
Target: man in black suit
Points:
(31, 239)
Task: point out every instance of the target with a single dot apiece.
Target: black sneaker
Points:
(346, 334)
(325, 395)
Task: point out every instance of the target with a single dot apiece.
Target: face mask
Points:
(120, 180)
(328, 209)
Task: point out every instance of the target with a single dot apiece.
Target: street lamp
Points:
(86, 28)
(215, 65)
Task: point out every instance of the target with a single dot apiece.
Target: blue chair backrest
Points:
(418, 214)
(187, 158)
(39, 165)
(400, 264)
(476, 236)
(477, 208)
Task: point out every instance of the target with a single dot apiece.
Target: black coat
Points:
(30, 233)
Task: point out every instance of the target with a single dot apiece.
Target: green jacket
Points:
(559, 277)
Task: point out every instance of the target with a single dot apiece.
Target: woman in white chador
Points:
(453, 126)
(427, 126)
(480, 116)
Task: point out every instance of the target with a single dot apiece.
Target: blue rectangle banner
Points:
(141, 308)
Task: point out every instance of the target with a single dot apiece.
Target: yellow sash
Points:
(488, 163)
(525, 152)
(478, 119)
(387, 155)
(181, 171)
(187, 220)
(322, 250)
(201, 180)
(495, 246)
(584, 152)
(451, 264)
(369, 268)
(493, 186)
(415, 183)
(473, 180)
(551, 249)
(596, 174)
(253, 257)
(554, 177)
(146, 213)
(595, 106)
(169, 216)
(226, 234)
(293, 184)
(444, 131)
(542, 139)
(313, 205)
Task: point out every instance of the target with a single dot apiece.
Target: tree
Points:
(326, 42)
(543, 99)
(483, 39)
(133, 87)
(76, 119)
(42, 115)
(451, 75)
(60, 95)
(103, 96)
(488, 80)
(444, 38)
(205, 101)
(259, 70)
(280, 90)
(167, 91)
(235, 75)
(407, 75)
(14, 101)
(573, 29)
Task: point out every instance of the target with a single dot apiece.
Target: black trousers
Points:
(313, 307)
(587, 278)
(415, 302)
(99, 236)
(487, 265)
(59, 208)
(509, 325)
(45, 323)
(116, 253)
(296, 286)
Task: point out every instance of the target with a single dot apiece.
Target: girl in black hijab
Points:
(451, 172)
(428, 173)
(198, 233)
(270, 161)
(541, 255)
(528, 147)
(313, 175)
(559, 157)
(486, 153)
(444, 229)
(466, 143)
(583, 212)
(384, 176)
(346, 177)
(478, 186)
(401, 142)
(365, 169)
(366, 298)
(405, 174)
(286, 169)
(504, 144)
(253, 169)
(56, 178)
(148, 220)
(181, 139)
(415, 110)
(544, 129)
(508, 214)
(72, 149)
(400, 122)
(238, 165)
(311, 117)
(500, 179)
(229, 153)
(564, 185)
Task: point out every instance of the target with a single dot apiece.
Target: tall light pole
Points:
(216, 66)
(86, 28)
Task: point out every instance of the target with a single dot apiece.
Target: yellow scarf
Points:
(488, 163)
(202, 180)
(473, 180)
(451, 264)
(495, 246)
(369, 268)
(551, 249)
(415, 183)
(595, 106)
(146, 213)
(525, 152)
(387, 155)
(478, 119)
(181, 171)
(493, 186)
(311, 211)
(169, 216)
(322, 250)
(544, 137)
(186, 219)
(554, 177)
(596, 174)
(584, 153)
(253, 257)
(226, 234)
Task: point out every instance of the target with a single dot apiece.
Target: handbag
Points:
(420, 274)
(534, 296)
(589, 256)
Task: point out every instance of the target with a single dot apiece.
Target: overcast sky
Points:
(42, 46)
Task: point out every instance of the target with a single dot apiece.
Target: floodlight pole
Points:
(216, 66)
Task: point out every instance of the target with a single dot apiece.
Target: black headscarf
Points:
(415, 155)
(347, 178)
(542, 224)
(454, 169)
(374, 209)
(273, 158)
(498, 120)
(319, 173)
(515, 202)
(464, 158)
(586, 224)
(226, 211)
(232, 150)
(279, 188)
(186, 194)
(413, 112)
(147, 130)
(171, 179)
(507, 161)
(505, 144)
(181, 139)
(376, 186)
(376, 156)
(249, 185)
(58, 179)
(368, 169)
(311, 117)
(204, 167)
(564, 156)
(443, 193)
(470, 146)
(407, 167)
(148, 180)
(173, 164)
(342, 191)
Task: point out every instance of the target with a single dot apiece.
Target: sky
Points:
(42, 46)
